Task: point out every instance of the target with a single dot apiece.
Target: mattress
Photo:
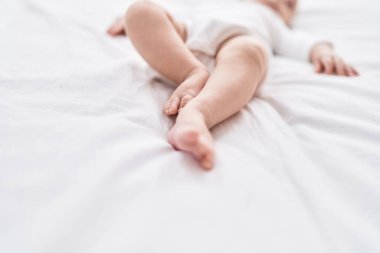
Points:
(85, 165)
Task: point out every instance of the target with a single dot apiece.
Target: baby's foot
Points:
(186, 91)
(191, 134)
(117, 28)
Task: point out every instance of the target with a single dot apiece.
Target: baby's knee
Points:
(247, 50)
(140, 10)
(252, 50)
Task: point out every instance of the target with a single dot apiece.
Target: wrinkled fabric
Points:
(85, 165)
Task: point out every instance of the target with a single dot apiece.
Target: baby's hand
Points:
(327, 62)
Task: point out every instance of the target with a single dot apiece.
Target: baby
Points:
(239, 37)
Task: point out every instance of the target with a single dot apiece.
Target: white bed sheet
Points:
(85, 165)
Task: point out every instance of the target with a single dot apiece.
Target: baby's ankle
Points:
(200, 72)
(199, 110)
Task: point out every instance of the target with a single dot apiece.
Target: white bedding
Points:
(85, 165)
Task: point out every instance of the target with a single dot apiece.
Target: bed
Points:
(85, 165)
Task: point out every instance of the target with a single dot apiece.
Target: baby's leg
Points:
(160, 41)
(241, 66)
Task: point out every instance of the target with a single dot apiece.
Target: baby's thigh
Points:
(179, 26)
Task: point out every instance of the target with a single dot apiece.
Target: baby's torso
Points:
(254, 18)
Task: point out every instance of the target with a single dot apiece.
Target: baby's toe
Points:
(206, 157)
(207, 162)
(171, 107)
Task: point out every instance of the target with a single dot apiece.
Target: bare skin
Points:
(322, 56)
(201, 99)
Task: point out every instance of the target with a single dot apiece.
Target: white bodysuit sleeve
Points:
(293, 44)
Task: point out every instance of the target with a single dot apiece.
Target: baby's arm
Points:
(297, 45)
(326, 61)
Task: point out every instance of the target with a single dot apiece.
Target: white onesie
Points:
(210, 24)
